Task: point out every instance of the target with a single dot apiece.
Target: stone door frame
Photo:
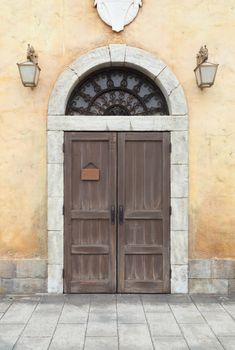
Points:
(176, 123)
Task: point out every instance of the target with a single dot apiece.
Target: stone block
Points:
(64, 85)
(179, 247)
(179, 180)
(55, 279)
(55, 180)
(200, 269)
(77, 123)
(167, 81)
(7, 269)
(158, 123)
(6, 285)
(223, 268)
(55, 147)
(91, 61)
(55, 213)
(208, 286)
(104, 123)
(177, 102)
(144, 62)
(179, 279)
(31, 268)
(122, 123)
(179, 140)
(231, 286)
(117, 54)
(179, 216)
(29, 285)
(55, 247)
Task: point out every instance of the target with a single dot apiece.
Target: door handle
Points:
(113, 214)
(121, 214)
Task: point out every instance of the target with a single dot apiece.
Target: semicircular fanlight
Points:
(117, 91)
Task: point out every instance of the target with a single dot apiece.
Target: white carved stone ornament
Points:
(118, 13)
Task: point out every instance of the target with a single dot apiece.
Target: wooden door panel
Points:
(143, 191)
(90, 237)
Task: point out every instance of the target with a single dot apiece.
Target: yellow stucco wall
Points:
(62, 30)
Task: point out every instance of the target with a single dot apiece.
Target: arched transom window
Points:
(117, 91)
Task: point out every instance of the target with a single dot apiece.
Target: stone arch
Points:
(118, 55)
(176, 123)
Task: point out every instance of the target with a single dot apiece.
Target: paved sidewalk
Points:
(111, 322)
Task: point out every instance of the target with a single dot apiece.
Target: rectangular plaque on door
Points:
(90, 174)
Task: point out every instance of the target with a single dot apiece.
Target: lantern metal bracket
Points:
(202, 55)
(31, 54)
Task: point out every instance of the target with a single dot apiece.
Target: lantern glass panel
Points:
(198, 75)
(29, 73)
(208, 72)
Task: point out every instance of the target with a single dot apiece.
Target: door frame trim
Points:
(176, 123)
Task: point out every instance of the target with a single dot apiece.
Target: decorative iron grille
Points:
(117, 91)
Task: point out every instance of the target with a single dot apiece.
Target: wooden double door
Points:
(117, 210)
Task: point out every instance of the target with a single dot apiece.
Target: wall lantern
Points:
(205, 72)
(29, 70)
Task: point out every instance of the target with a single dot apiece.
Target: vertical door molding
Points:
(90, 233)
(144, 199)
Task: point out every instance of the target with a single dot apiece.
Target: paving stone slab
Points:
(44, 320)
(73, 314)
(170, 343)
(68, 336)
(179, 298)
(100, 343)
(155, 317)
(221, 323)
(82, 300)
(130, 309)
(204, 307)
(154, 298)
(9, 334)
(43, 328)
(134, 337)
(30, 343)
(155, 307)
(4, 305)
(164, 326)
(200, 337)
(103, 303)
(95, 329)
(19, 312)
(230, 308)
(130, 314)
(228, 342)
(187, 313)
(102, 317)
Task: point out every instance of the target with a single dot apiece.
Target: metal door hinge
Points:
(170, 273)
(170, 147)
(63, 147)
(170, 210)
(62, 273)
(63, 210)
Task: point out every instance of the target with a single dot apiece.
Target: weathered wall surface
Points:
(62, 30)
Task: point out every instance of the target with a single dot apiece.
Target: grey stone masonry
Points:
(23, 276)
(212, 276)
